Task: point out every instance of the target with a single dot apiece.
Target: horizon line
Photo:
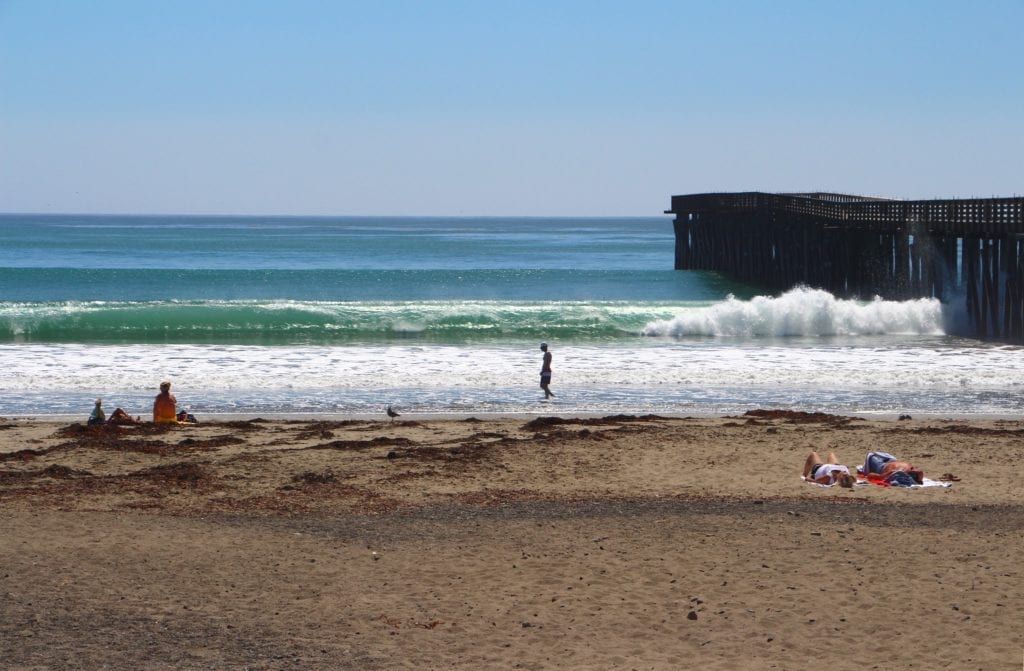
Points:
(657, 215)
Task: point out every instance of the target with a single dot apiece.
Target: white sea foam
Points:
(804, 312)
(865, 374)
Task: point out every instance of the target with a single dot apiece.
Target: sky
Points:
(501, 107)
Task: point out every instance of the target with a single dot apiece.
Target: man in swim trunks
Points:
(827, 472)
(884, 466)
(165, 406)
(545, 371)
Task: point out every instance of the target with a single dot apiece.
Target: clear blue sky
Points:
(493, 107)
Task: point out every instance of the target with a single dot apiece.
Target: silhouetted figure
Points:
(545, 371)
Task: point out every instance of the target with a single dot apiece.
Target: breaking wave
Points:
(804, 312)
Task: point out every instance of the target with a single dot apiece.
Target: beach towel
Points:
(881, 482)
(878, 480)
(834, 484)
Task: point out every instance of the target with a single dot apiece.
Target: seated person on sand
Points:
(827, 472)
(882, 466)
(97, 416)
(165, 406)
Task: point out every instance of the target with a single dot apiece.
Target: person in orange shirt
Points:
(165, 406)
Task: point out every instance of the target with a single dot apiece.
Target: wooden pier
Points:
(967, 253)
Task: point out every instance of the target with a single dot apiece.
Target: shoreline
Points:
(534, 541)
(461, 415)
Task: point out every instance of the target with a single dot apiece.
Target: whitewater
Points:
(342, 316)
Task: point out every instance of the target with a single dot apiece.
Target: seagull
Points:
(392, 414)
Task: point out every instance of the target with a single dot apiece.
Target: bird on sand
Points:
(392, 414)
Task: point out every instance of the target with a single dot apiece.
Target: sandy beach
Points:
(627, 542)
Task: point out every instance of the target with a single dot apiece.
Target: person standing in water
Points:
(545, 371)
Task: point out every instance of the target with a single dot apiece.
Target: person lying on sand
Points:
(887, 468)
(827, 472)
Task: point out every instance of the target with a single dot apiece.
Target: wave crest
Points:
(316, 322)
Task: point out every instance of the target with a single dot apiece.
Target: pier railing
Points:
(966, 252)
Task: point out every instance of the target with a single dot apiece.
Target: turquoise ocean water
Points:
(269, 315)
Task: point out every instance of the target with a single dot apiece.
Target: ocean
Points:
(341, 316)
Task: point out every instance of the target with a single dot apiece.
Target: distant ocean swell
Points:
(331, 284)
(801, 312)
(318, 322)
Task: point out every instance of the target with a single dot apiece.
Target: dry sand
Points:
(610, 543)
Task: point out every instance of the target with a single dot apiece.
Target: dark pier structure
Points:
(967, 253)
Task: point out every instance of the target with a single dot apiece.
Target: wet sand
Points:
(551, 543)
